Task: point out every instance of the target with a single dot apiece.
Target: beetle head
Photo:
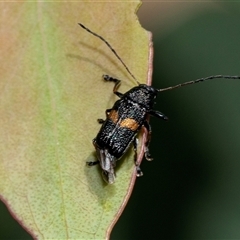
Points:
(143, 94)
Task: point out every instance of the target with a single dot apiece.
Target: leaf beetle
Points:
(127, 116)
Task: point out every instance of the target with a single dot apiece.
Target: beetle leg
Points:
(117, 83)
(138, 169)
(148, 127)
(100, 120)
(90, 164)
(149, 134)
(158, 114)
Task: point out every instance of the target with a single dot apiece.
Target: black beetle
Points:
(127, 116)
(123, 121)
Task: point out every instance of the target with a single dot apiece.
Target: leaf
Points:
(51, 95)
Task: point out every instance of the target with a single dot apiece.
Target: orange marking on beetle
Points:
(130, 124)
(113, 115)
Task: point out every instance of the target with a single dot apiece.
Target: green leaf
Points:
(51, 96)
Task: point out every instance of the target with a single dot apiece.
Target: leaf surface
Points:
(51, 95)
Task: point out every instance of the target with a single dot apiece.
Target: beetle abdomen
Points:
(121, 126)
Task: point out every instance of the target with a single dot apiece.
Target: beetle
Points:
(123, 121)
(127, 116)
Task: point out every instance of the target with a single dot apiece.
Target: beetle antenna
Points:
(198, 81)
(111, 48)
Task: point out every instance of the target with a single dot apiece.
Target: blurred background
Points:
(191, 189)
